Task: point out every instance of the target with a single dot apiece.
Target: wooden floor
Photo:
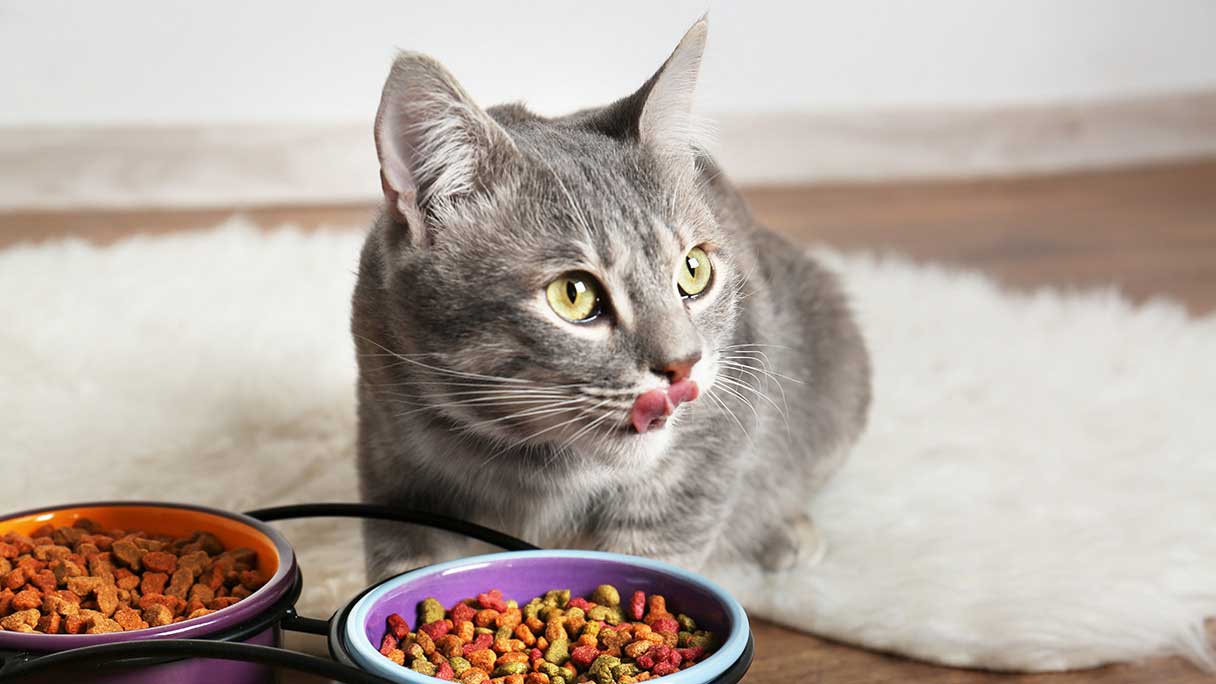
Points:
(1149, 231)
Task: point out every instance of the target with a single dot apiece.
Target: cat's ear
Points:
(435, 144)
(666, 123)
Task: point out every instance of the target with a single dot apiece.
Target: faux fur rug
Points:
(1037, 488)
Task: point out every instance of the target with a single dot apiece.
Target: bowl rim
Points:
(199, 627)
(365, 655)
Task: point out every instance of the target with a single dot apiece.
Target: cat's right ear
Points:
(435, 144)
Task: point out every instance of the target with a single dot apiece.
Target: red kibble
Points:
(398, 626)
(583, 656)
(637, 605)
(388, 643)
(492, 599)
(535, 655)
(463, 612)
(665, 626)
(664, 668)
(579, 602)
(692, 653)
(482, 642)
(646, 660)
(445, 671)
(675, 658)
(436, 629)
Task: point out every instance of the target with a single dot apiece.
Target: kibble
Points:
(84, 579)
(552, 639)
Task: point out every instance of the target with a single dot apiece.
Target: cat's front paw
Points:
(798, 543)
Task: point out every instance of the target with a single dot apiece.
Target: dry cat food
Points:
(87, 580)
(553, 639)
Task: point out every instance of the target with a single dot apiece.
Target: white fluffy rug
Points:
(1037, 489)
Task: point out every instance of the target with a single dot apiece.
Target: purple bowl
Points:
(522, 575)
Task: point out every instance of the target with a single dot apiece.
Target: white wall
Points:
(158, 62)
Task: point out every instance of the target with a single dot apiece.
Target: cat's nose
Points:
(678, 369)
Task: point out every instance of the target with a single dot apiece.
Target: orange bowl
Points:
(155, 519)
(276, 561)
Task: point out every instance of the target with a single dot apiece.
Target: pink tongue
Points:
(650, 409)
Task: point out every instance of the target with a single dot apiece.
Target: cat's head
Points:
(557, 281)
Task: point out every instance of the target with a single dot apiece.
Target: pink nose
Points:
(650, 409)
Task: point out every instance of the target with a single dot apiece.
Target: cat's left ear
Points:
(666, 123)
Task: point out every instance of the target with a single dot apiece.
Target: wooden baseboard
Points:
(207, 166)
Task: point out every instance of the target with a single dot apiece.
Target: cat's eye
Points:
(695, 272)
(575, 297)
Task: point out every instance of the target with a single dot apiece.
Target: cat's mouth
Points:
(652, 408)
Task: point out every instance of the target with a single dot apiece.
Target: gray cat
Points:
(573, 330)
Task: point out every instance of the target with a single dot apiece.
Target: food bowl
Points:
(356, 631)
(240, 644)
(251, 620)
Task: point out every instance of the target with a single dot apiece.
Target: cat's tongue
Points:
(650, 409)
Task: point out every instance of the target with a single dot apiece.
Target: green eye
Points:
(695, 272)
(575, 297)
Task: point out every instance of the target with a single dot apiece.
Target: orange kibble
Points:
(465, 629)
(525, 635)
(485, 617)
(542, 643)
(474, 675)
(449, 645)
(511, 618)
(555, 630)
(535, 625)
(483, 659)
(656, 604)
(511, 657)
(513, 679)
(637, 648)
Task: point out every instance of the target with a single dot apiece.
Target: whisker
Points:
(725, 409)
(439, 369)
(736, 394)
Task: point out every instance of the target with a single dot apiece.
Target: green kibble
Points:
(598, 613)
(531, 609)
(606, 595)
(551, 613)
(557, 597)
(703, 639)
(459, 665)
(423, 666)
(592, 628)
(558, 651)
(512, 604)
(682, 639)
(557, 679)
(510, 669)
(686, 623)
(431, 610)
(601, 669)
(610, 614)
(503, 633)
(549, 669)
(624, 670)
(483, 630)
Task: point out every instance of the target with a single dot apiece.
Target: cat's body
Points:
(454, 338)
